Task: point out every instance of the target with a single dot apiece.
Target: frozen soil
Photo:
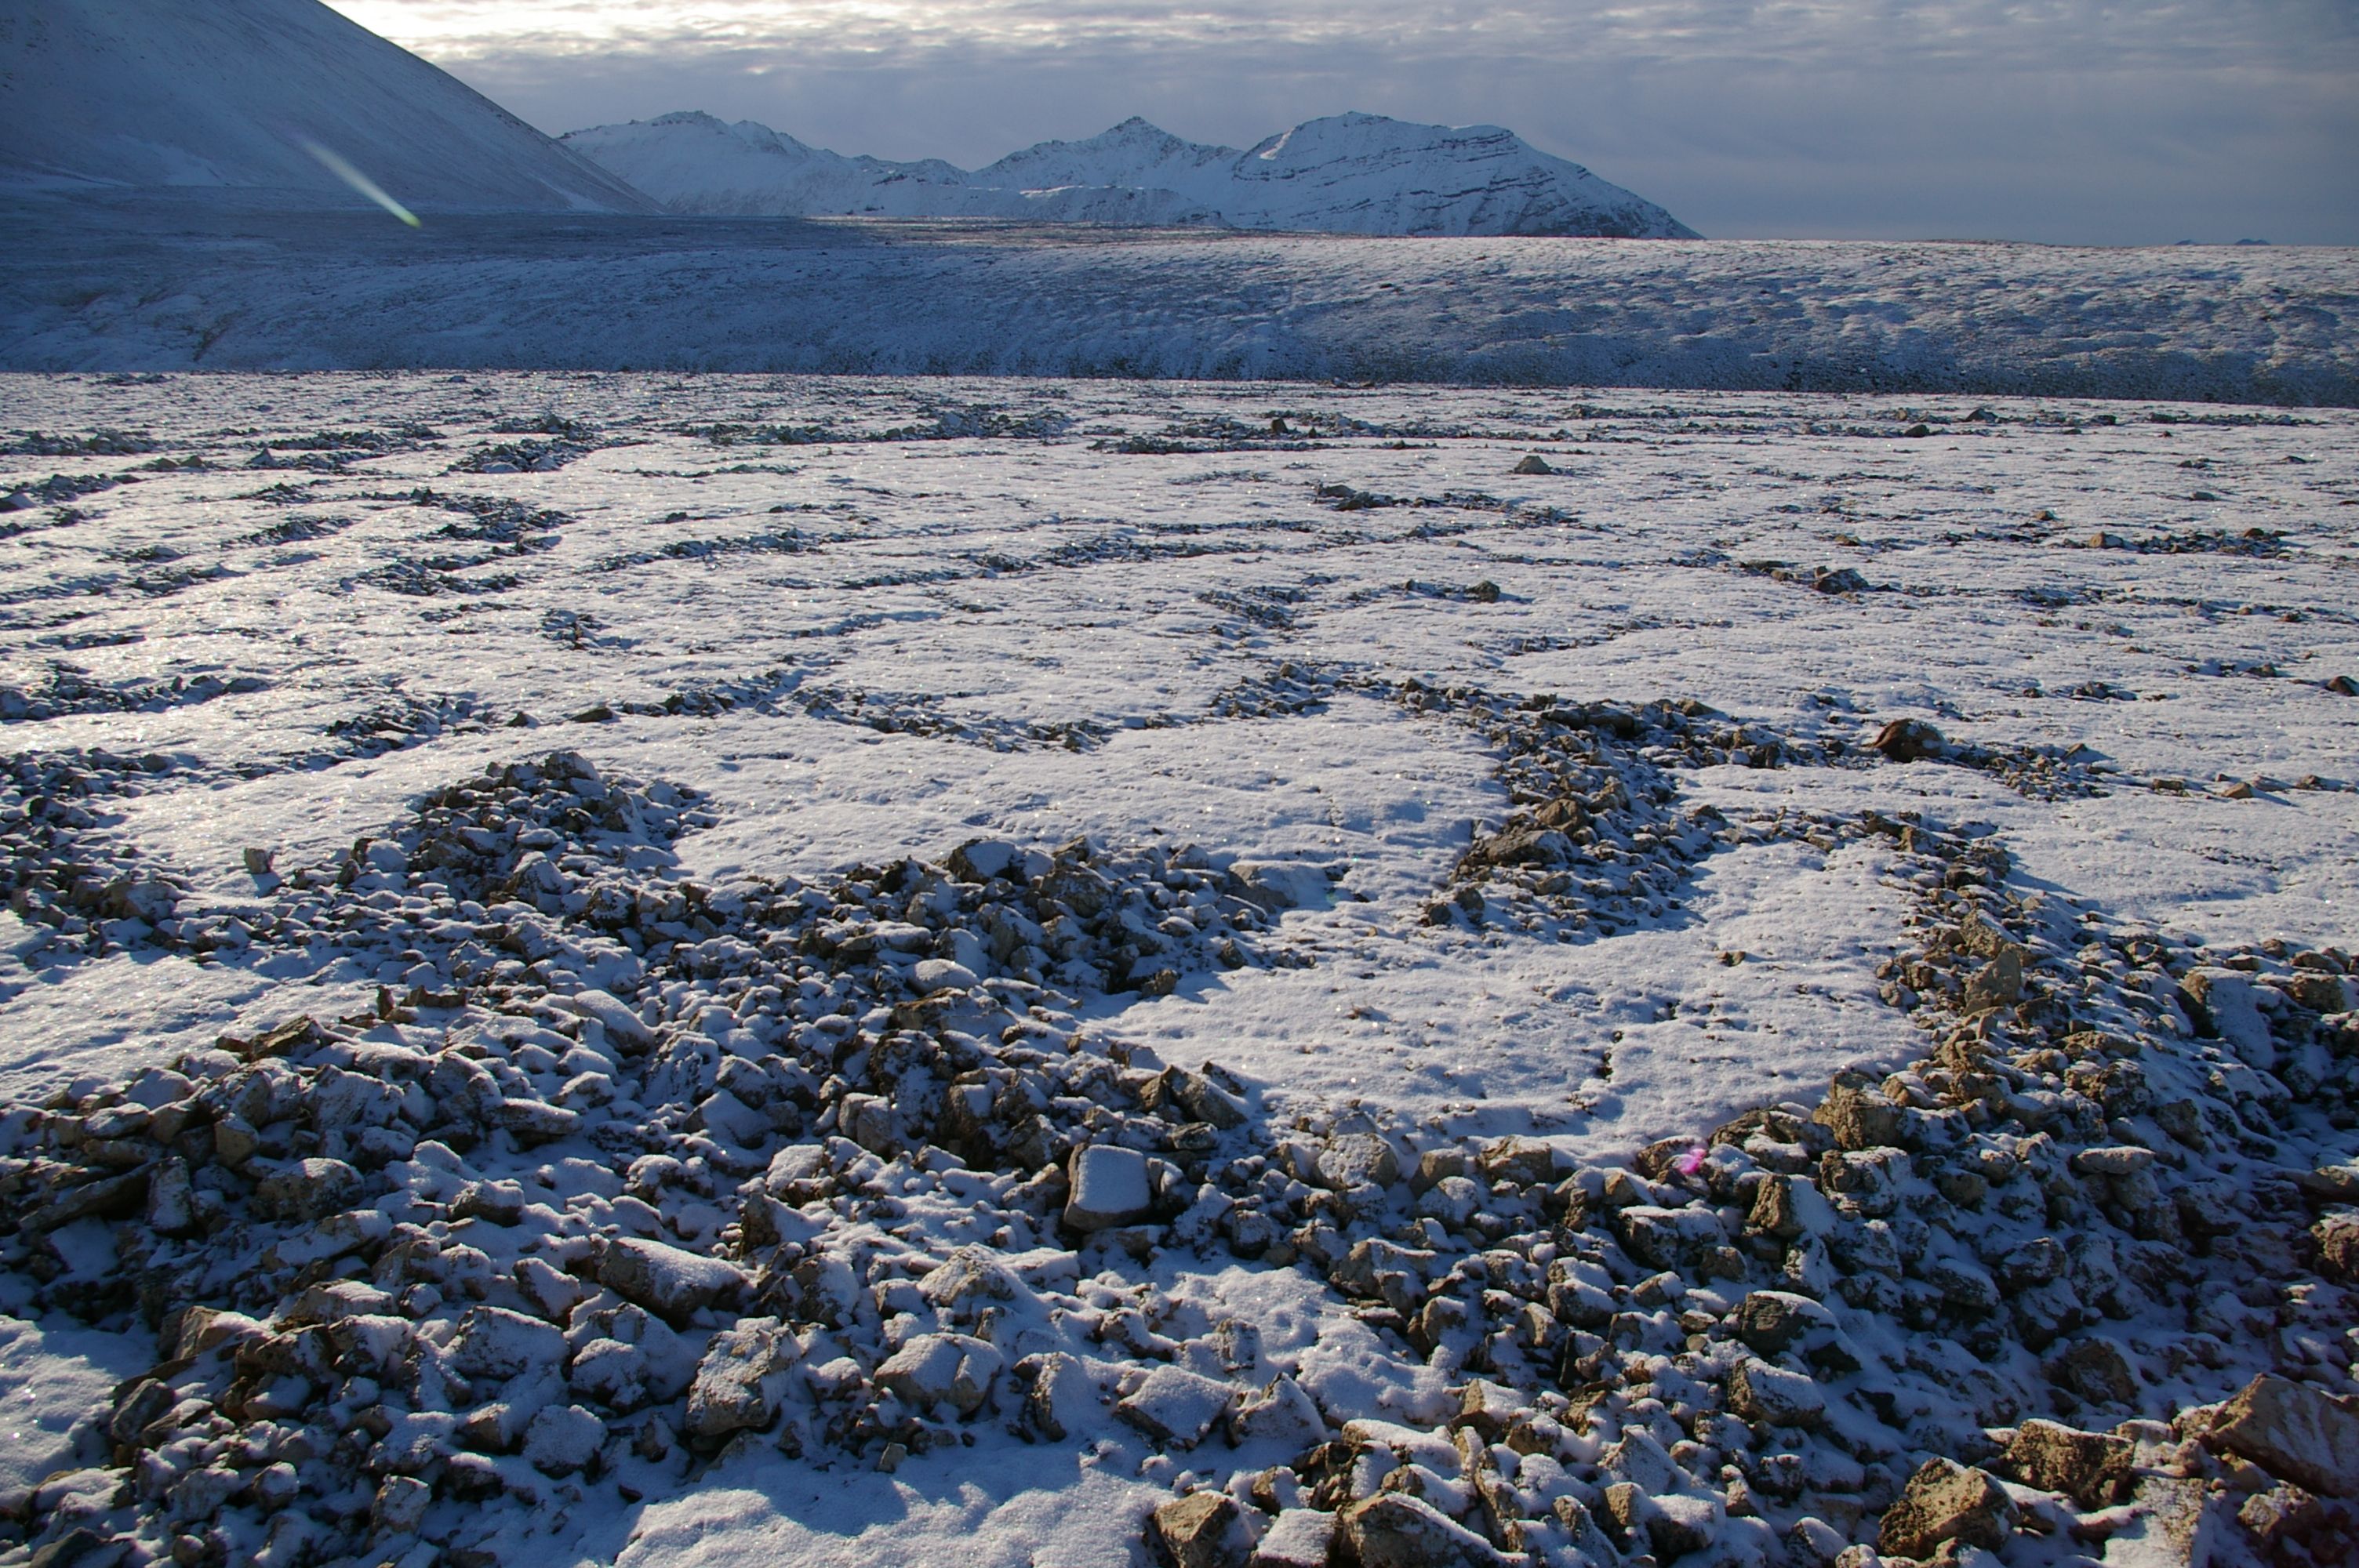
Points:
(721, 970)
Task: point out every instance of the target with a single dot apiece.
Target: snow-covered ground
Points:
(1296, 627)
(221, 283)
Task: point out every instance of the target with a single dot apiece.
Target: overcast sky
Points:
(2055, 120)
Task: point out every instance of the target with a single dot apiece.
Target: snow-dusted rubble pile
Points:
(1110, 1006)
(788, 1172)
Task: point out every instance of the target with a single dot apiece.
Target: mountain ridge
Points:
(129, 95)
(1350, 173)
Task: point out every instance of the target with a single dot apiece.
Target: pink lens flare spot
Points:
(1689, 1163)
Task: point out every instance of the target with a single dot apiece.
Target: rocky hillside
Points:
(103, 94)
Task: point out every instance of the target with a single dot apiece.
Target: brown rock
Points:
(2097, 1372)
(2091, 1467)
(1945, 1501)
(2338, 1244)
(2293, 1432)
(1909, 740)
(1199, 1531)
(1858, 1121)
(1393, 1529)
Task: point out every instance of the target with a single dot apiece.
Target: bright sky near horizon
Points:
(2053, 120)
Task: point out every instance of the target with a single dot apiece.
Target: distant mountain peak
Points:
(1348, 173)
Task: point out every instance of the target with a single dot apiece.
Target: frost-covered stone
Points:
(400, 1506)
(933, 1369)
(2293, 1431)
(1280, 1411)
(493, 1342)
(1774, 1321)
(665, 1278)
(1946, 1501)
(1297, 1538)
(1175, 1407)
(1062, 1400)
(309, 1189)
(734, 1389)
(1358, 1159)
(1110, 1187)
(942, 974)
(2337, 1235)
(2091, 1467)
(1393, 1529)
(562, 1439)
(1205, 1531)
(1759, 1391)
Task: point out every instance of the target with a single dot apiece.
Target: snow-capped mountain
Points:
(1350, 174)
(238, 92)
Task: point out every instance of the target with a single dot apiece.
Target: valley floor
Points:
(225, 281)
(735, 836)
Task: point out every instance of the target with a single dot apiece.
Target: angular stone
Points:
(2097, 1372)
(308, 1189)
(1677, 1524)
(1762, 1392)
(1669, 1237)
(1524, 1160)
(2172, 1523)
(493, 1342)
(731, 1392)
(2120, 1160)
(1280, 1411)
(562, 1439)
(2090, 1467)
(1176, 1407)
(1857, 1120)
(1358, 1159)
(1943, 1501)
(1062, 1399)
(2337, 1235)
(1201, 1098)
(666, 1280)
(1298, 1538)
(400, 1506)
(1110, 1187)
(1773, 1321)
(1393, 1529)
(1204, 1530)
(2295, 1433)
(1910, 741)
(943, 1369)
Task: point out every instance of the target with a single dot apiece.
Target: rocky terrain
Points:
(761, 970)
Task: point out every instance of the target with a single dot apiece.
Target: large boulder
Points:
(2295, 1433)
(1945, 1501)
(1393, 1529)
(1177, 1407)
(2091, 1467)
(734, 1388)
(1110, 1187)
(1203, 1530)
(667, 1281)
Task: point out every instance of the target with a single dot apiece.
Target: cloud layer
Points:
(2061, 120)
